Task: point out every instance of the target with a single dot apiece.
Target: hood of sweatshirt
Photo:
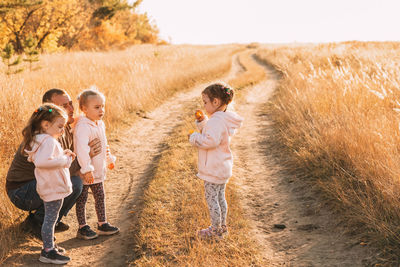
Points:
(83, 119)
(37, 141)
(231, 120)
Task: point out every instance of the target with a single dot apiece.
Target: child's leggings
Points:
(51, 211)
(99, 200)
(215, 197)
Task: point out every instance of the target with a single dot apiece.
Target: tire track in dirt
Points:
(138, 150)
(273, 198)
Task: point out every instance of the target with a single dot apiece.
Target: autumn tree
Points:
(14, 18)
(74, 24)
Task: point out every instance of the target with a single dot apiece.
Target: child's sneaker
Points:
(107, 229)
(86, 233)
(53, 256)
(224, 230)
(210, 232)
(60, 250)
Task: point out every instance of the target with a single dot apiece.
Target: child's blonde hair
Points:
(85, 94)
(46, 112)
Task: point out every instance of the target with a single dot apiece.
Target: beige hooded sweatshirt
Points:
(85, 131)
(53, 181)
(215, 157)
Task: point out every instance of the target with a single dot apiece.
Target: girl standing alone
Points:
(215, 157)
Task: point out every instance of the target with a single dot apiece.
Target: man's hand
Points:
(88, 177)
(95, 147)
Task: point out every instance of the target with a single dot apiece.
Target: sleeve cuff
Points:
(112, 158)
(69, 162)
(87, 169)
(200, 125)
(192, 139)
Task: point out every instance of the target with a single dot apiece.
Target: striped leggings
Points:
(99, 200)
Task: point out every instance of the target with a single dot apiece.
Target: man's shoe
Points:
(86, 233)
(107, 229)
(61, 227)
(53, 256)
(32, 226)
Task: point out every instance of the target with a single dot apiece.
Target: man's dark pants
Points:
(27, 198)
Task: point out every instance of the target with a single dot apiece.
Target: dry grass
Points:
(337, 113)
(252, 72)
(136, 79)
(174, 206)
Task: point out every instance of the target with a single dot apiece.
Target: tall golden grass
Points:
(174, 205)
(337, 111)
(135, 79)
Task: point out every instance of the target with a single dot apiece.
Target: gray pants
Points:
(215, 197)
(51, 211)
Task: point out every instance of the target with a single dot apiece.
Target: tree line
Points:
(56, 25)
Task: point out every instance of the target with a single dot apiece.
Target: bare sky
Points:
(274, 21)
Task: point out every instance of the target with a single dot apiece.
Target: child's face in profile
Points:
(210, 106)
(94, 108)
(54, 128)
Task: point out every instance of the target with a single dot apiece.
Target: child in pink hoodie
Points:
(88, 127)
(215, 157)
(52, 163)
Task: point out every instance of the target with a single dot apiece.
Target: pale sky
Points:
(274, 21)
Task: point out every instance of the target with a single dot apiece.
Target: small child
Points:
(88, 127)
(52, 164)
(215, 157)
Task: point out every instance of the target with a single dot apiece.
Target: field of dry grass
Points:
(175, 206)
(133, 80)
(337, 111)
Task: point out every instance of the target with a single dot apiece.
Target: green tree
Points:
(9, 59)
(31, 51)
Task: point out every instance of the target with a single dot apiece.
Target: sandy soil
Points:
(270, 195)
(275, 199)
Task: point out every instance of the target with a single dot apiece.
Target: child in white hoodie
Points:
(215, 157)
(52, 163)
(87, 128)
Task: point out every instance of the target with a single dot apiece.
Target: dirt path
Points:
(137, 151)
(274, 197)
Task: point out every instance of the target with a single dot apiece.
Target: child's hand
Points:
(190, 133)
(111, 166)
(199, 115)
(70, 153)
(110, 159)
(88, 177)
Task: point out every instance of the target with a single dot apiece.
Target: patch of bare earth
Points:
(286, 215)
